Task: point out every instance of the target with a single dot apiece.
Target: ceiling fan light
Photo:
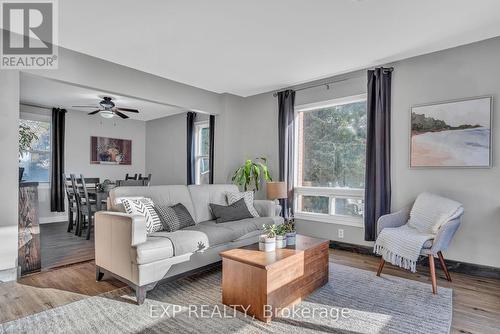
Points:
(107, 114)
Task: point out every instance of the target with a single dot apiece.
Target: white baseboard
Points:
(8, 275)
(56, 219)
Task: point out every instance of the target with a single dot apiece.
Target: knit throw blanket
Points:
(401, 246)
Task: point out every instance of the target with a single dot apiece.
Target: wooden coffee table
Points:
(261, 283)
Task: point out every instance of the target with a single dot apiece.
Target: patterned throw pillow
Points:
(248, 196)
(236, 211)
(144, 207)
(175, 217)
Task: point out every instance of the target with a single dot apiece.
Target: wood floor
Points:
(60, 248)
(476, 301)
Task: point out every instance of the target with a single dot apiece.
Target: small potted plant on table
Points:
(267, 241)
(281, 236)
(289, 228)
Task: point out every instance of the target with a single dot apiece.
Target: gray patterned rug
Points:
(354, 301)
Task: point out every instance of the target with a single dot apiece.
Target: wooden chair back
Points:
(127, 177)
(131, 183)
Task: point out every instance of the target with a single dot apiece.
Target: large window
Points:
(330, 160)
(36, 160)
(202, 149)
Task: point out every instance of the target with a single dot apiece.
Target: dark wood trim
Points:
(452, 266)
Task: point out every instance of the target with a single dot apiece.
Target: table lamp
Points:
(276, 190)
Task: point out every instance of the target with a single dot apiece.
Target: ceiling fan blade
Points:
(94, 112)
(128, 109)
(84, 106)
(120, 114)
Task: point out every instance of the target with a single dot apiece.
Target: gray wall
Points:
(465, 71)
(9, 118)
(79, 128)
(166, 149)
(86, 71)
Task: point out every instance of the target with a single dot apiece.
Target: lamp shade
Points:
(276, 190)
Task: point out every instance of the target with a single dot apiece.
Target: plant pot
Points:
(290, 238)
(281, 241)
(267, 244)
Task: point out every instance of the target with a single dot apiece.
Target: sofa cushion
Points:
(203, 195)
(216, 234)
(248, 197)
(235, 211)
(154, 249)
(165, 195)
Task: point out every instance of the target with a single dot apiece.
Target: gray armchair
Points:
(432, 248)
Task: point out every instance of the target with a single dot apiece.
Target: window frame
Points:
(199, 126)
(331, 192)
(45, 118)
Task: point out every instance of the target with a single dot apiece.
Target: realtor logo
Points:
(29, 34)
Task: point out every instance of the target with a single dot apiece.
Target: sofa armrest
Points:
(266, 208)
(444, 235)
(116, 233)
(133, 225)
(396, 219)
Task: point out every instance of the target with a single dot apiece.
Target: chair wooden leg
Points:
(78, 222)
(443, 265)
(98, 274)
(89, 227)
(433, 273)
(70, 220)
(380, 266)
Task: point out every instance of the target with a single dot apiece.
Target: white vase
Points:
(267, 244)
(281, 241)
(290, 238)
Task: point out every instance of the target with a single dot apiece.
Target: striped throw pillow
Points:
(144, 207)
(248, 196)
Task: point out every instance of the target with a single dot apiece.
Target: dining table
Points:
(100, 196)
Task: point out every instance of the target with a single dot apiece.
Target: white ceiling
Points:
(253, 46)
(49, 93)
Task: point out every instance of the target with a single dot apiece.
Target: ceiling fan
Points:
(107, 109)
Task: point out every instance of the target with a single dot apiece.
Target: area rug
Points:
(353, 301)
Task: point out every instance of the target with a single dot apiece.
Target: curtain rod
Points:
(327, 84)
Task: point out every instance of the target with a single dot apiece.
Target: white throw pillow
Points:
(119, 200)
(248, 196)
(144, 207)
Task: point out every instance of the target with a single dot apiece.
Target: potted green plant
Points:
(281, 231)
(252, 172)
(26, 138)
(267, 241)
(289, 227)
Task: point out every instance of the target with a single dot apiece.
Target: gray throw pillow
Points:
(175, 217)
(236, 211)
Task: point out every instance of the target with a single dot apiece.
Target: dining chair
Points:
(145, 178)
(72, 208)
(78, 201)
(88, 207)
(127, 177)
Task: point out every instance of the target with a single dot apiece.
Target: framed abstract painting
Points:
(452, 134)
(110, 151)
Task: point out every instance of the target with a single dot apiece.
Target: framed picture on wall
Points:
(110, 151)
(452, 134)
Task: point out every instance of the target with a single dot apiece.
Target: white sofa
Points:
(125, 250)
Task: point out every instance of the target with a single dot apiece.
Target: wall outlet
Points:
(341, 233)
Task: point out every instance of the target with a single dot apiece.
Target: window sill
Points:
(330, 219)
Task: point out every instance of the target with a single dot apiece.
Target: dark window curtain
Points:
(286, 103)
(57, 162)
(378, 149)
(212, 150)
(191, 118)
